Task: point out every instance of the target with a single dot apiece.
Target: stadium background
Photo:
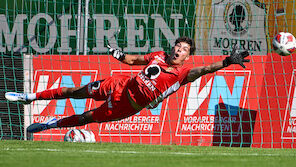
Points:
(258, 112)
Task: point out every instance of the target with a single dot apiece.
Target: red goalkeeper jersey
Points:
(156, 81)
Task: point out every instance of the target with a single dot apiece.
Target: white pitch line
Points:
(139, 152)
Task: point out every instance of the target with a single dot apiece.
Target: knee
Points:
(82, 120)
(86, 118)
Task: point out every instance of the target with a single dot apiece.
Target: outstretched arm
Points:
(196, 72)
(236, 57)
(127, 58)
(134, 60)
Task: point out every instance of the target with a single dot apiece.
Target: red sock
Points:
(50, 94)
(69, 121)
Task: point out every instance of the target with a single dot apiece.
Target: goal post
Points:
(28, 84)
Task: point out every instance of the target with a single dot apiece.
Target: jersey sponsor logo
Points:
(148, 122)
(289, 123)
(158, 59)
(152, 71)
(147, 81)
(169, 69)
(213, 104)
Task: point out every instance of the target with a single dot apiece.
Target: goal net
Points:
(63, 43)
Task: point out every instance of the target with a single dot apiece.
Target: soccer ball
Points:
(76, 135)
(284, 43)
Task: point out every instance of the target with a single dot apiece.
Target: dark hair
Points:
(187, 40)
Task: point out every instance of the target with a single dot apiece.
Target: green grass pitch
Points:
(59, 154)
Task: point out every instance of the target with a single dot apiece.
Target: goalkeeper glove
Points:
(116, 53)
(236, 57)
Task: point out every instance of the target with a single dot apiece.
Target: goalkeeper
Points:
(124, 96)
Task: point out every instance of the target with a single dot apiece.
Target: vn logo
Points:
(289, 123)
(56, 79)
(213, 103)
(227, 88)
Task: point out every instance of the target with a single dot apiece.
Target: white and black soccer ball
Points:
(284, 43)
(76, 135)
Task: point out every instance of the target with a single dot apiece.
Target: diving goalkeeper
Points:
(124, 96)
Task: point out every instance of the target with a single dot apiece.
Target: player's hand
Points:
(236, 57)
(116, 53)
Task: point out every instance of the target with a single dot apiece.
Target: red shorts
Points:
(114, 91)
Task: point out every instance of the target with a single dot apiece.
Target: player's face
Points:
(179, 53)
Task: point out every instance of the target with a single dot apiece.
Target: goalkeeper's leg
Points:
(100, 114)
(74, 120)
(58, 93)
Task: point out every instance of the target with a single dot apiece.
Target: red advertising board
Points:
(232, 107)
